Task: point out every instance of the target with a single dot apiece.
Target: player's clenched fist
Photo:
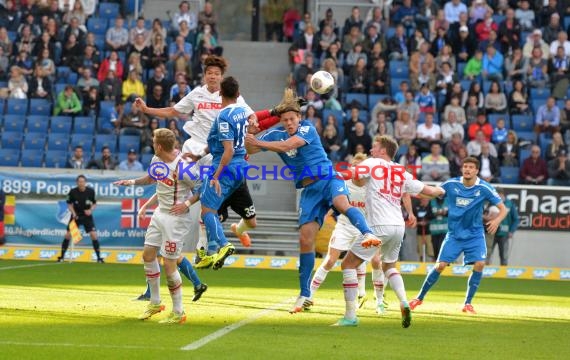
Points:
(140, 104)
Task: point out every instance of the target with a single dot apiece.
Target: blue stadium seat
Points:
(522, 122)
(32, 158)
(35, 141)
(61, 124)
(83, 125)
(373, 99)
(493, 118)
(360, 98)
(527, 135)
(16, 106)
(145, 160)
(535, 104)
(59, 88)
(539, 93)
(509, 175)
(38, 123)
(12, 35)
(402, 150)
(11, 139)
(97, 25)
(108, 10)
(2, 106)
(364, 116)
(56, 158)
(62, 72)
(523, 155)
(105, 140)
(465, 84)
(58, 141)
(399, 69)
(460, 69)
(129, 142)
(9, 157)
(40, 107)
(14, 123)
(122, 156)
(395, 85)
(83, 140)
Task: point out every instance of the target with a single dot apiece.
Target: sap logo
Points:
(304, 130)
(75, 254)
(253, 261)
(125, 257)
(409, 268)
(477, 193)
(47, 254)
(3, 252)
(462, 202)
(22, 254)
(515, 272)
(564, 274)
(104, 255)
(459, 270)
(231, 260)
(540, 273)
(279, 263)
(490, 271)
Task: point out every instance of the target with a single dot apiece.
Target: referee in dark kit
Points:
(81, 202)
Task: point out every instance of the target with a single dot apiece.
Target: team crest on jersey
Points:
(477, 193)
(291, 153)
(304, 130)
(462, 202)
(224, 127)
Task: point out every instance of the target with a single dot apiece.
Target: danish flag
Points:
(129, 211)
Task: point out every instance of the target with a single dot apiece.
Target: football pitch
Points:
(85, 311)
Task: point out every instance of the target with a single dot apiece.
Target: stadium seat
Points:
(59, 88)
(12, 35)
(2, 106)
(83, 125)
(399, 69)
(465, 84)
(395, 85)
(97, 25)
(62, 72)
(58, 141)
(364, 116)
(373, 99)
(360, 98)
(108, 10)
(539, 93)
(509, 175)
(402, 150)
(32, 158)
(523, 155)
(12, 140)
(16, 106)
(83, 140)
(35, 141)
(522, 122)
(38, 124)
(61, 124)
(9, 157)
(14, 123)
(130, 131)
(56, 158)
(129, 142)
(40, 107)
(527, 135)
(105, 140)
(146, 159)
(460, 69)
(535, 104)
(130, 6)
(122, 156)
(493, 118)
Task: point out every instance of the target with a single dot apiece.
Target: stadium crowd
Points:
(447, 79)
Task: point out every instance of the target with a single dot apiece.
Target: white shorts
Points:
(195, 147)
(168, 232)
(391, 236)
(343, 236)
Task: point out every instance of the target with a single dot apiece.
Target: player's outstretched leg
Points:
(215, 233)
(186, 268)
(361, 274)
(472, 286)
(429, 281)
(307, 235)
(356, 217)
(240, 230)
(397, 283)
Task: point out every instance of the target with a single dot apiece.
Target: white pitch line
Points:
(26, 266)
(227, 329)
(22, 343)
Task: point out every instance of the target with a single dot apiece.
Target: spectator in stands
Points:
(452, 10)
(312, 100)
(90, 41)
(76, 161)
(398, 45)
(117, 37)
(158, 51)
(565, 120)
(455, 107)
(5, 42)
(548, 117)
(92, 103)
(139, 29)
(474, 146)
(351, 39)
(555, 145)
(518, 100)
(312, 116)
(350, 123)
(537, 72)
(156, 97)
(76, 12)
(485, 26)
(110, 87)
(353, 20)
(474, 90)
(495, 101)
(455, 90)
(208, 17)
(86, 81)
(412, 161)
(453, 28)
(558, 70)
(133, 87)
(489, 170)
(326, 38)
(400, 96)
(40, 85)
(451, 127)
(411, 107)
(89, 60)
(184, 14)
(427, 133)
(534, 169)
(559, 169)
(67, 103)
(509, 150)
(561, 40)
(332, 143)
(372, 38)
(359, 137)
(134, 64)
(425, 77)
(535, 40)
(480, 125)
(106, 162)
(272, 12)
(420, 57)
(464, 45)
(112, 63)
(147, 135)
(29, 21)
(17, 83)
(456, 163)
(355, 54)
(140, 48)
(550, 32)
(180, 89)
(131, 163)
(478, 11)
(509, 32)
(404, 128)
(335, 54)
(180, 54)
(173, 126)
(445, 79)
(452, 146)
(358, 77)
(435, 166)
(500, 132)
(416, 41)
(134, 119)
(445, 55)
(425, 100)
(516, 66)
(330, 21)
(4, 64)
(24, 62)
(381, 126)
(292, 18)
(474, 67)
(157, 30)
(75, 29)
(406, 15)
(89, 6)
(426, 15)
(43, 42)
(206, 42)
(525, 16)
(492, 64)
(159, 78)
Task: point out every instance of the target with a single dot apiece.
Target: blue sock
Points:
(186, 268)
(428, 283)
(214, 230)
(147, 292)
(306, 265)
(357, 219)
(473, 285)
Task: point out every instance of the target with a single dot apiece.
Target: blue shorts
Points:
(229, 179)
(473, 250)
(317, 199)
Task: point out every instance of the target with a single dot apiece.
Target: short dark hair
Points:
(78, 147)
(471, 160)
(215, 61)
(105, 147)
(80, 177)
(229, 88)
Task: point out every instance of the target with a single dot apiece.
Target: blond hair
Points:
(288, 103)
(388, 143)
(358, 158)
(165, 138)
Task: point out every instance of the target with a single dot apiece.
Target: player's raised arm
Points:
(431, 192)
(494, 224)
(292, 143)
(145, 180)
(166, 112)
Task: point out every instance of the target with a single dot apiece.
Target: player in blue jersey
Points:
(299, 146)
(226, 143)
(466, 197)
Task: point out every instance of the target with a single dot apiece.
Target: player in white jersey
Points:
(166, 230)
(204, 103)
(386, 183)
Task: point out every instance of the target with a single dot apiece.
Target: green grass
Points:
(85, 311)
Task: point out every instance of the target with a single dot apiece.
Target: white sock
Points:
(361, 274)
(397, 283)
(202, 238)
(350, 285)
(174, 282)
(152, 272)
(318, 278)
(378, 282)
(242, 227)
